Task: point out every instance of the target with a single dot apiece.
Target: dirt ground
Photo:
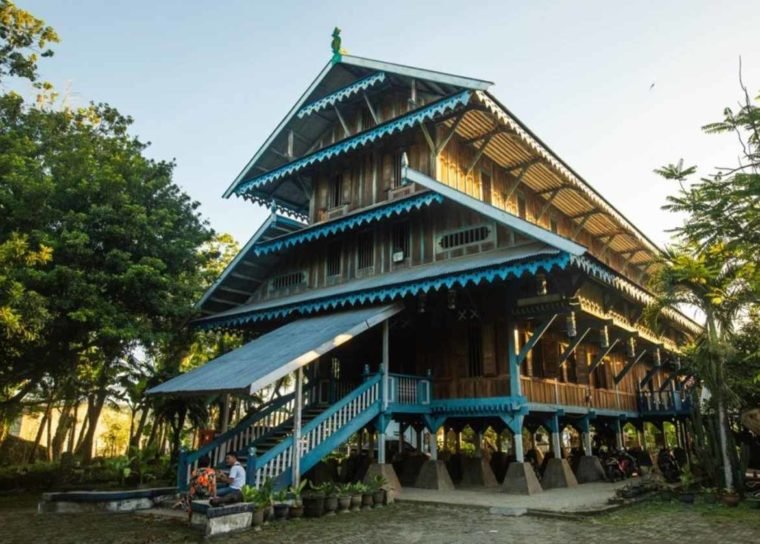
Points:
(399, 523)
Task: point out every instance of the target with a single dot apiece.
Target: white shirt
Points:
(237, 473)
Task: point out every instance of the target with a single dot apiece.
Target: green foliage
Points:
(23, 40)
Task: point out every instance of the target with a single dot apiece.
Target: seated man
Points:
(236, 481)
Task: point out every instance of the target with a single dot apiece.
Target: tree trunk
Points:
(94, 409)
(73, 429)
(134, 440)
(40, 430)
(728, 473)
(61, 431)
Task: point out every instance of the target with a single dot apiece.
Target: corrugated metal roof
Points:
(276, 354)
(488, 266)
(241, 277)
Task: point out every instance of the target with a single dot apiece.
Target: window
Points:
(474, 351)
(400, 238)
(335, 195)
(464, 237)
(365, 250)
(521, 207)
(333, 259)
(396, 180)
(287, 280)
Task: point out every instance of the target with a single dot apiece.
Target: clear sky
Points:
(208, 81)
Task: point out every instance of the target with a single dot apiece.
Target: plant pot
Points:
(258, 517)
(356, 501)
(331, 505)
(367, 501)
(344, 504)
(686, 498)
(296, 512)
(710, 498)
(314, 506)
(281, 511)
(731, 499)
(268, 514)
(754, 502)
(378, 497)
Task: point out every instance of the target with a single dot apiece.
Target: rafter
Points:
(552, 195)
(371, 109)
(442, 144)
(342, 121)
(570, 349)
(479, 154)
(487, 135)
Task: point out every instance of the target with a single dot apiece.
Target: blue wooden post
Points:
(250, 466)
(515, 387)
(182, 483)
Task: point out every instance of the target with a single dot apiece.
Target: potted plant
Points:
(379, 495)
(730, 498)
(251, 495)
(366, 491)
(266, 500)
(356, 496)
(687, 487)
(281, 505)
(331, 498)
(313, 502)
(710, 495)
(296, 508)
(344, 498)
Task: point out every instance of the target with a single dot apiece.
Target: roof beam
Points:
(627, 368)
(522, 165)
(534, 338)
(428, 137)
(487, 135)
(371, 109)
(442, 144)
(518, 179)
(244, 276)
(479, 154)
(236, 291)
(649, 375)
(602, 354)
(552, 195)
(342, 122)
(570, 349)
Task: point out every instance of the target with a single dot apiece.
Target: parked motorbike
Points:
(668, 466)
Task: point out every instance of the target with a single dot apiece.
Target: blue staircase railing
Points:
(319, 436)
(253, 427)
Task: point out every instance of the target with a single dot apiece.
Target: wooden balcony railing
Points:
(544, 391)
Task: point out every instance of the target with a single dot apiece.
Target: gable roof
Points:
(242, 277)
(334, 77)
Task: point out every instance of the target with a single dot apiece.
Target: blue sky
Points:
(208, 81)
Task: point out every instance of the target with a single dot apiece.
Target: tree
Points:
(720, 286)
(23, 40)
(715, 266)
(126, 264)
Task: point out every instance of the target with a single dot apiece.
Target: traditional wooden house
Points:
(428, 260)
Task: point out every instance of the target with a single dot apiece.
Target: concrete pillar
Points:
(586, 439)
(518, 444)
(434, 446)
(556, 445)
(381, 448)
(479, 445)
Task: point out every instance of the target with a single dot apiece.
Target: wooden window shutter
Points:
(489, 350)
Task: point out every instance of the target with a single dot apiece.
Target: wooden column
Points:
(296, 464)
(515, 387)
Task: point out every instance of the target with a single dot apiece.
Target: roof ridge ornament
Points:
(337, 50)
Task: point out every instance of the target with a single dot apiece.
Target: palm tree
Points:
(722, 287)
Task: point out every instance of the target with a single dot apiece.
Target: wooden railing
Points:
(544, 391)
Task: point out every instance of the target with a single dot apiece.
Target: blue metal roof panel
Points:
(364, 217)
(494, 265)
(341, 94)
(398, 124)
(275, 354)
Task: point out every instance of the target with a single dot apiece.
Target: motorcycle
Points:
(668, 466)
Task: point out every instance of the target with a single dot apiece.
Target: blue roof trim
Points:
(349, 144)
(321, 231)
(341, 94)
(393, 292)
